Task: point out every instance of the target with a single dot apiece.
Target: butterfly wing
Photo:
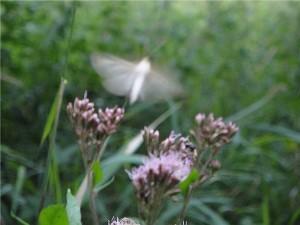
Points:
(160, 86)
(118, 75)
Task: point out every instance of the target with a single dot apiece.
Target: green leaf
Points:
(53, 112)
(52, 175)
(97, 173)
(73, 210)
(191, 178)
(54, 215)
(101, 186)
(50, 120)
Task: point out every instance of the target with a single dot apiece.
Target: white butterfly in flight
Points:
(137, 81)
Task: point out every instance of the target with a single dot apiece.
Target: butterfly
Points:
(137, 81)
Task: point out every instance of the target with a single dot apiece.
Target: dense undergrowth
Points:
(239, 60)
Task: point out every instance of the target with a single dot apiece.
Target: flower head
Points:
(159, 174)
(173, 143)
(88, 123)
(109, 120)
(124, 221)
(82, 115)
(93, 127)
(213, 132)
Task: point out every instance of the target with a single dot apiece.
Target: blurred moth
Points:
(134, 80)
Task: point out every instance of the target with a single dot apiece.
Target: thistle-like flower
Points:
(169, 162)
(213, 132)
(159, 175)
(123, 221)
(155, 178)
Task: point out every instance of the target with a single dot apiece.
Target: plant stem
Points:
(185, 205)
(92, 203)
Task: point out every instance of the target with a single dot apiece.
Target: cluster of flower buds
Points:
(123, 221)
(90, 126)
(109, 120)
(127, 221)
(213, 132)
(173, 143)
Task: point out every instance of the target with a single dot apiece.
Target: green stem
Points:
(187, 198)
(92, 203)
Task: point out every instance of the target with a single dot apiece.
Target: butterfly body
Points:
(134, 80)
(142, 70)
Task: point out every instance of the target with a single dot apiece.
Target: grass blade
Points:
(18, 188)
(50, 120)
(21, 221)
(215, 218)
(265, 211)
(19, 184)
(52, 176)
(257, 105)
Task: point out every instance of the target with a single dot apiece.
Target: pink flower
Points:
(159, 174)
(173, 143)
(124, 221)
(213, 132)
(88, 123)
(91, 127)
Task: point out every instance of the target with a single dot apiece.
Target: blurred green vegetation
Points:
(239, 60)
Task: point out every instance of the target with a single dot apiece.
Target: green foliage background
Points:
(239, 60)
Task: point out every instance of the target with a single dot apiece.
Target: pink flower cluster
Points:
(124, 221)
(173, 143)
(164, 171)
(168, 163)
(109, 119)
(213, 132)
(90, 125)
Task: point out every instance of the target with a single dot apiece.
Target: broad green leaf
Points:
(54, 215)
(97, 173)
(191, 178)
(73, 210)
